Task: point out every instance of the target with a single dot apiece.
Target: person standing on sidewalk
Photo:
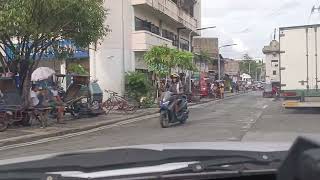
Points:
(39, 103)
(57, 104)
(222, 91)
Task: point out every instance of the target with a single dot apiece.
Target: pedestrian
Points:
(275, 92)
(222, 91)
(38, 102)
(217, 90)
(37, 96)
(56, 104)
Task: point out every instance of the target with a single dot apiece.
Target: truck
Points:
(299, 66)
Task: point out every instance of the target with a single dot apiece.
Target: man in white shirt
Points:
(34, 92)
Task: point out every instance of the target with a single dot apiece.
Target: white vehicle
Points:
(300, 66)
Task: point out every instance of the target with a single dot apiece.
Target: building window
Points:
(274, 72)
(147, 26)
(188, 7)
(170, 35)
(184, 44)
(274, 63)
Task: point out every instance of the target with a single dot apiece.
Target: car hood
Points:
(227, 146)
(260, 147)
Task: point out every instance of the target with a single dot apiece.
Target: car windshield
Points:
(158, 74)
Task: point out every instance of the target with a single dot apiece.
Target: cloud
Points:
(250, 23)
(240, 47)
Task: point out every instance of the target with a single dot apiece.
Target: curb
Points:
(34, 137)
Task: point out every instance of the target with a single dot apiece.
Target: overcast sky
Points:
(250, 23)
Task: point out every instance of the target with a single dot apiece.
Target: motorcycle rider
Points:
(177, 89)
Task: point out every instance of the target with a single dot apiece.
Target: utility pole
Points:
(219, 59)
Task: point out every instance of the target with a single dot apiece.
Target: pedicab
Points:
(82, 97)
(11, 108)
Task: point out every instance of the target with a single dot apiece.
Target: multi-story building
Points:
(272, 52)
(208, 46)
(232, 69)
(136, 26)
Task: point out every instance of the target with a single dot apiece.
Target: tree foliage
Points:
(138, 85)
(29, 27)
(161, 59)
(203, 56)
(183, 60)
(77, 69)
(250, 66)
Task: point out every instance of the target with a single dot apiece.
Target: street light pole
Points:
(190, 46)
(219, 59)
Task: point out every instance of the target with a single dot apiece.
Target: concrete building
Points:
(208, 46)
(136, 26)
(272, 69)
(232, 69)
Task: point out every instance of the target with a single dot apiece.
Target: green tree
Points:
(249, 66)
(204, 56)
(161, 59)
(138, 85)
(77, 69)
(183, 60)
(29, 27)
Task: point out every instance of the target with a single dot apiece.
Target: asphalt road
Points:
(247, 117)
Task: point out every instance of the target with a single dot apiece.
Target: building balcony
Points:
(144, 40)
(168, 10)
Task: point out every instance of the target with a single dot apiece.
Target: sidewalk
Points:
(17, 134)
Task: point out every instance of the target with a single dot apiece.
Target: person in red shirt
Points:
(275, 91)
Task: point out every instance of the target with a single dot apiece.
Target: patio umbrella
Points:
(42, 73)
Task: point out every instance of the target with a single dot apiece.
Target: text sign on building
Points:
(66, 46)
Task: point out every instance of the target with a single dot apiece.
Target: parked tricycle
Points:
(82, 96)
(11, 109)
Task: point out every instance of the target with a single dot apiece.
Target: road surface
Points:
(247, 117)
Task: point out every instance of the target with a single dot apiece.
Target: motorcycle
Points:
(168, 113)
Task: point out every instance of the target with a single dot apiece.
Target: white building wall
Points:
(197, 14)
(272, 65)
(114, 55)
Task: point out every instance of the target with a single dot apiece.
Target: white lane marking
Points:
(45, 140)
(265, 106)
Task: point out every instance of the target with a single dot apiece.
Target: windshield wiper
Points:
(227, 163)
